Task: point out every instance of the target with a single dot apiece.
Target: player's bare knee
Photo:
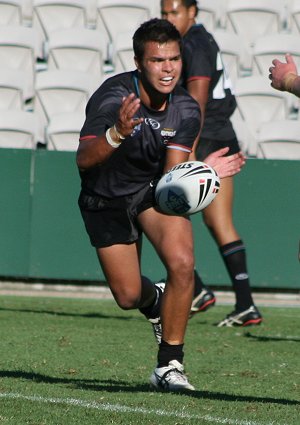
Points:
(127, 301)
(182, 265)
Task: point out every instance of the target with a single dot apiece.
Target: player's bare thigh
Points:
(121, 267)
(172, 237)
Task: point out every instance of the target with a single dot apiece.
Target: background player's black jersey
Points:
(140, 157)
(202, 59)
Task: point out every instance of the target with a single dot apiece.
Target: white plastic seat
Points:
(63, 131)
(211, 14)
(294, 16)
(251, 19)
(155, 9)
(273, 46)
(258, 102)
(20, 129)
(78, 50)
(232, 52)
(11, 12)
(279, 140)
(15, 88)
(62, 92)
(244, 134)
(115, 16)
(20, 48)
(54, 15)
(123, 55)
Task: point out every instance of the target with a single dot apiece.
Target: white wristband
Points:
(110, 141)
(117, 133)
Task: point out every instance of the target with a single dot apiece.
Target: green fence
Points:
(43, 237)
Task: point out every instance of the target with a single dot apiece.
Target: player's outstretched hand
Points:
(226, 166)
(126, 120)
(283, 74)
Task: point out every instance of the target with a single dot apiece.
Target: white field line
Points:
(125, 409)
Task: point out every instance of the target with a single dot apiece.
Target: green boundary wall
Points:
(43, 236)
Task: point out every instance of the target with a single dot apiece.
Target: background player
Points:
(203, 75)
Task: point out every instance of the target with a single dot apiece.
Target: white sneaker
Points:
(170, 378)
(249, 317)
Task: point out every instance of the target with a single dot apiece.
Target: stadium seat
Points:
(155, 9)
(54, 15)
(279, 140)
(20, 48)
(245, 134)
(20, 129)
(123, 56)
(258, 102)
(11, 12)
(115, 16)
(15, 88)
(63, 131)
(78, 49)
(232, 52)
(272, 46)
(294, 17)
(211, 14)
(62, 92)
(254, 18)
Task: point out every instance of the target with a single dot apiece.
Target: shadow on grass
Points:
(116, 386)
(271, 338)
(60, 313)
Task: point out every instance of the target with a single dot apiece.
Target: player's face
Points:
(179, 15)
(161, 66)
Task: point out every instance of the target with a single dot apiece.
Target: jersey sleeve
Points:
(189, 123)
(199, 62)
(102, 110)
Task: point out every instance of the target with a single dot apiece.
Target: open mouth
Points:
(167, 79)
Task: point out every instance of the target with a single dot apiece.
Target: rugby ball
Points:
(187, 188)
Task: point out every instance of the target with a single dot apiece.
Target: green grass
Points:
(86, 362)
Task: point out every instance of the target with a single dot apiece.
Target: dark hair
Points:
(159, 30)
(190, 3)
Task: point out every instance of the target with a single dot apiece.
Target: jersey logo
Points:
(153, 123)
(167, 134)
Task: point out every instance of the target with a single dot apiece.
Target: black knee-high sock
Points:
(152, 311)
(199, 285)
(234, 256)
(168, 352)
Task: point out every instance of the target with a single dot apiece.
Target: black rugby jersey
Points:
(201, 58)
(140, 157)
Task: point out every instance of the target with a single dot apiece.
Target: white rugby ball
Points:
(187, 188)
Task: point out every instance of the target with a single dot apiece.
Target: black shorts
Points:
(114, 221)
(207, 146)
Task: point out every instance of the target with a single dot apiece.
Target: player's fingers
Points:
(275, 62)
(132, 108)
(289, 58)
(220, 152)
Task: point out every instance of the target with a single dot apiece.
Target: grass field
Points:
(79, 361)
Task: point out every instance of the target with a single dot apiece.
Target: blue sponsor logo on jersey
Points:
(136, 129)
(177, 203)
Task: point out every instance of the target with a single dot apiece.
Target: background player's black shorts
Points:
(114, 221)
(207, 146)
